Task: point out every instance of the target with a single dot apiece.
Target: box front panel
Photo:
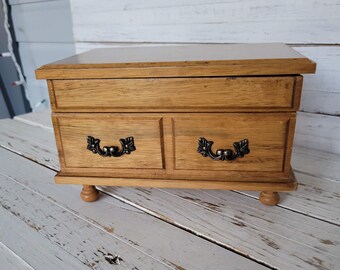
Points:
(231, 142)
(212, 94)
(109, 142)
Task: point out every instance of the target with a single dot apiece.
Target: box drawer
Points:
(212, 94)
(264, 134)
(80, 153)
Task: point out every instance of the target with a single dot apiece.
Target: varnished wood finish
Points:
(297, 92)
(89, 193)
(191, 175)
(177, 94)
(51, 93)
(180, 61)
(269, 198)
(256, 69)
(289, 143)
(110, 128)
(211, 54)
(60, 178)
(167, 98)
(266, 134)
(167, 145)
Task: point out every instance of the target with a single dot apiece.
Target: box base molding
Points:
(166, 183)
(269, 190)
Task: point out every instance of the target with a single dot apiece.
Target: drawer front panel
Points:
(175, 94)
(74, 130)
(266, 135)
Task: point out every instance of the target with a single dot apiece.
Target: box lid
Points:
(180, 61)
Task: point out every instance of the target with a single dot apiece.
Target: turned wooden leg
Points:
(89, 193)
(269, 197)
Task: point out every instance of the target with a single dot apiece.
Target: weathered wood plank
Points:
(313, 193)
(73, 234)
(33, 143)
(317, 131)
(120, 220)
(19, 235)
(202, 21)
(10, 260)
(39, 119)
(273, 235)
(318, 176)
(319, 164)
(320, 102)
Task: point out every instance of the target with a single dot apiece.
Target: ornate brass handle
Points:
(127, 144)
(241, 149)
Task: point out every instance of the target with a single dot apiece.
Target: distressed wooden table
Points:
(45, 226)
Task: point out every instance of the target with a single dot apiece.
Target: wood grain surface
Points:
(146, 131)
(274, 183)
(177, 94)
(268, 161)
(266, 133)
(214, 54)
(65, 228)
(180, 61)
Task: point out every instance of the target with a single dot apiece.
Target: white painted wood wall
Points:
(311, 27)
(43, 29)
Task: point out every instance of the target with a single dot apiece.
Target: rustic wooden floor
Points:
(47, 226)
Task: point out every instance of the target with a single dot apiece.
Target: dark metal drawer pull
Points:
(241, 149)
(128, 146)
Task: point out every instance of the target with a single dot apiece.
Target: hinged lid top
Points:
(180, 61)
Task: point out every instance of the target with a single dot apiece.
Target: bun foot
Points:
(269, 197)
(89, 193)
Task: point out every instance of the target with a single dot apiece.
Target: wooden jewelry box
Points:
(195, 116)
